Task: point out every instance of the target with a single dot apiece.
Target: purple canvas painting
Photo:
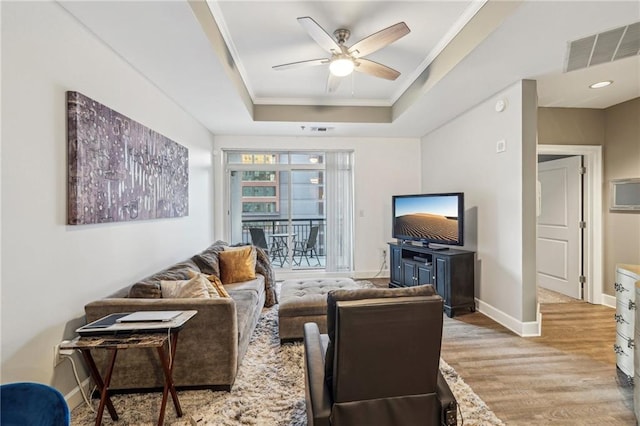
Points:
(120, 170)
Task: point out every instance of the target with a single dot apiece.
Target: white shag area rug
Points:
(269, 391)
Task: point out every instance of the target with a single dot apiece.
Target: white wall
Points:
(498, 187)
(383, 167)
(51, 270)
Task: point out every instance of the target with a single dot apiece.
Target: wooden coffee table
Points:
(165, 343)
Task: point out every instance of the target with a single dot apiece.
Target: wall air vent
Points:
(604, 47)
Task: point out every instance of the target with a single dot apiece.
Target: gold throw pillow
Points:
(237, 264)
(213, 282)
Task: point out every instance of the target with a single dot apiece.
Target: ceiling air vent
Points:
(604, 47)
(320, 129)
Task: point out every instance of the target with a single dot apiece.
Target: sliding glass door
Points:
(278, 200)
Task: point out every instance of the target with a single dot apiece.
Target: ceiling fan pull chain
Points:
(353, 85)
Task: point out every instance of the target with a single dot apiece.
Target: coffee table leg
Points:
(167, 367)
(103, 387)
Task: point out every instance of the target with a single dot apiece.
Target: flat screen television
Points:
(429, 218)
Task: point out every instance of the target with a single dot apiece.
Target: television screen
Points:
(429, 218)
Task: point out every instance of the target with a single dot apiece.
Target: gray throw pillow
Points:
(207, 261)
(145, 291)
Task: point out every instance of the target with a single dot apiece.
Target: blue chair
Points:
(32, 404)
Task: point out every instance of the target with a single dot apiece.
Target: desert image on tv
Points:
(425, 225)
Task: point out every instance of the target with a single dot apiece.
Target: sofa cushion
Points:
(263, 267)
(237, 264)
(256, 285)
(246, 302)
(360, 294)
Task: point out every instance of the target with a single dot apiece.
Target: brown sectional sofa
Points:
(211, 345)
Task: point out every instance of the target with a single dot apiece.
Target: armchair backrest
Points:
(387, 348)
(383, 355)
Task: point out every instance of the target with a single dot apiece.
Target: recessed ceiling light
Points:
(600, 84)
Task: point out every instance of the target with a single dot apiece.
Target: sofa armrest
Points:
(212, 332)
(448, 403)
(318, 398)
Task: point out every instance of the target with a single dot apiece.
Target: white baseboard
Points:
(312, 273)
(609, 301)
(363, 275)
(522, 329)
(74, 398)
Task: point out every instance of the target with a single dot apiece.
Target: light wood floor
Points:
(565, 377)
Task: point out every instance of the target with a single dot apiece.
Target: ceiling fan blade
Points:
(379, 40)
(320, 35)
(332, 83)
(375, 69)
(301, 64)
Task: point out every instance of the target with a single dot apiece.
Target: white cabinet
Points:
(625, 287)
(629, 276)
(625, 316)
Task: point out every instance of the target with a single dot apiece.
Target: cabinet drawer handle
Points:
(618, 349)
(620, 319)
(632, 305)
(619, 287)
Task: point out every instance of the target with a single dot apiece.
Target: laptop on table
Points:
(136, 322)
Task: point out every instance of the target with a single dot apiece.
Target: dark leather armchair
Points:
(379, 363)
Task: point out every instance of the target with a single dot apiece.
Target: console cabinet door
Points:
(424, 274)
(441, 264)
(408, 274)
(396, 268)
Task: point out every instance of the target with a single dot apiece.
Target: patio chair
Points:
(307, 248)
(275, 252)
(258, 238)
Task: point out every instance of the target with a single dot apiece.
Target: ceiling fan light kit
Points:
(344, 60)
(341, 66)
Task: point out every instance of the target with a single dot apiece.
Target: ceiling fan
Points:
(345, 60)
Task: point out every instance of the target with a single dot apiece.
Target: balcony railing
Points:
(299, 229)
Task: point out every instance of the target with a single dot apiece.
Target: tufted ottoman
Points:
(305, 300)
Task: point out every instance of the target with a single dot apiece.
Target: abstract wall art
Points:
(120, 170)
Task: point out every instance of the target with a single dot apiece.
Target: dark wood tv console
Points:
(451, 272)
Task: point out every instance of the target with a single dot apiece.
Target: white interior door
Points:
(559, 243)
